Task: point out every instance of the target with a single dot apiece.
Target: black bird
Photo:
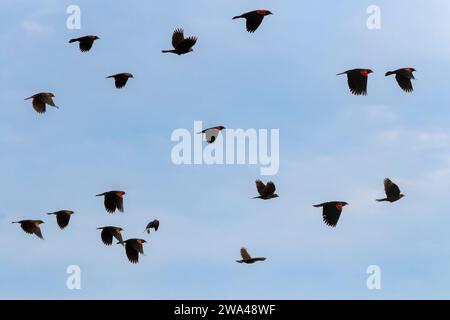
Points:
(403, 77)
(266, 192)
(62, 217)
(152, 225)
(113, 200)
(357, 80)
(181, 44)
(246, 258)
(85, 42)
(332, 211)
(31, 227)
(254, 19)
(121, 79)
(132, 248)
(392, 191)
(109, 232)
(212, 133)
(40, 100)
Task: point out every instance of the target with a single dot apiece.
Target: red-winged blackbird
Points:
(109, 232)
(152, 225)
(121, 79)
(254, 18)
(357, 80)
(392, 191)
(40, 100)
(266, 192)
(403, 77)
(246, 258)
(31, 227)
(212, 133)
(85, 42)
(62, 217)
(132, 248)
(181, 44)
(113, 200)
(332, 211)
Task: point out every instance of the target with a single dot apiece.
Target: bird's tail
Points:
(341, 73)
(318, 205)
(389, 73)
(15, 222)
(239, 261)
(50, 213)
(28, 98)
(237, 17)
(73, 40)
(100, 194)
(109, 77)
(382, 200)
(166, 51)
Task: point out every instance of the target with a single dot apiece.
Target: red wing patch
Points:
(261, 12)
(364, 73)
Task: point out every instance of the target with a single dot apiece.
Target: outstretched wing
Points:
(391, 189)
(269, 189)
(38, 105)
(244, 254)
(177, 37)
(404, 82)
(186, 44)
(62, 218)
(107, 236)
(132, 254)
(331, 213)
(357, 82)
(254, 20)
(260, 186)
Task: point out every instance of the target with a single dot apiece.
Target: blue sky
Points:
(333, 146)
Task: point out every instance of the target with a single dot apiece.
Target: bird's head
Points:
(40, 222)
(343, 203)
(131, 75)
(220, 128)
(401, 196)
(191, 50)
(369, 71)
(121, 193)
(119, 229)
(96, 38)
(268, 13)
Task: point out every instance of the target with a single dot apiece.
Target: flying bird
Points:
(85, 42)
(266, 192)
(181, 44)
(31, 227)
(152, 225)
(62, 217)
(113, 200)
(254, 19)
(109, 232)
(212, 133)
(357, 80)
(246, 258)
(40, 100)
(121, 79)
(332, 211)
(403, 77)
(392, 191)
(132, 248)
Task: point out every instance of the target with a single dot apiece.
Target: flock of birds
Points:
(113, 200)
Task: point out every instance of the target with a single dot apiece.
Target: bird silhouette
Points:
(254, 19)
(62, 217)
(211, 133)
(40, 100)
(266, 192)
(246, 258)
(121, 79)
(133, 247)
(85, 42)
(403, 77)
(109, 232)
(31, 227)
(331, 211)
(152, 225)
(357, 80)
(392, 191)
(181, 44)
(113, 200)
